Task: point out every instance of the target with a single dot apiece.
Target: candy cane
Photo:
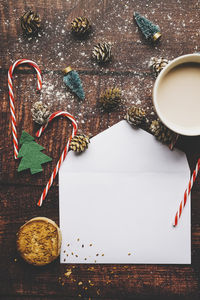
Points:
(11, 96)
(64, 153)
(187, 193)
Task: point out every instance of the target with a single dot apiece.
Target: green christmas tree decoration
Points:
(150, 30)
(31, 154)
(72, 80)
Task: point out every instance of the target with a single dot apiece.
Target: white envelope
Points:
(118, 201)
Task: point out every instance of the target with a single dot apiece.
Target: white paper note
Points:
(118, 201)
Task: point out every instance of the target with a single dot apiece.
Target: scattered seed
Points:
(72, 253)
(102, 255)
(90, 245)
(64, 251)
(97, 254)
(68, 273)
(68, 245)
(76, 255)
(64, 259)
(129, 253)
(82, 246)
(85, 258)
(78, 240)
(95, 261)
(80, 283)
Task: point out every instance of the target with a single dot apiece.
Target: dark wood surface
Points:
(55, 49)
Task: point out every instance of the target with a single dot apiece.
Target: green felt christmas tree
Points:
(150, 30)
(31, 154)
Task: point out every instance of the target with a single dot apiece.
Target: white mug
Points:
(174, 123)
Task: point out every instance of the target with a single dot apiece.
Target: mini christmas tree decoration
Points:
(80, 26)
(102, 52)
(162, 133)
(158, 64)
(79, 143)
(72, 80)
(110, 99)
(40, 112)
(31, 154)
(135, 116)
(30, 23)
(150, 30)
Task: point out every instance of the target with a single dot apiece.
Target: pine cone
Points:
(102, 52)
(161, 132)
(80, 26)
(30, 22)
(135, 115)
(110, 99)
(158, 64)
(79, 143)
(40, 112)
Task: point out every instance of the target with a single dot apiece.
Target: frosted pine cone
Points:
(102, 52)
(135, 116)
(30, 23)
(161, 132)
(40, 112)
(80, 26)
(110, 99)
(79, 143)
(158, 64)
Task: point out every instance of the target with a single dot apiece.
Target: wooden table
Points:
(55, 49)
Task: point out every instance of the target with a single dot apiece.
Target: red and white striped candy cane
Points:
(11, 97)
(187, 193)
(64, 153)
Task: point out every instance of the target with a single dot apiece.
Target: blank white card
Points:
(118, 200)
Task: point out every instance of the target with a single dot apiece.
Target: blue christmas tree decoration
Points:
(72, 80)
(150, 30)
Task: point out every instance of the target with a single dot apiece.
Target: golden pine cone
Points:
(110, 99)
(80, 26)
(158, 64)
(102, 52)
(161, 132)
(40, 112)
(30, 22)
(79, 143)
(135, 115)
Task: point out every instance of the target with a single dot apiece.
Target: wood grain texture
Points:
(55, 49)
